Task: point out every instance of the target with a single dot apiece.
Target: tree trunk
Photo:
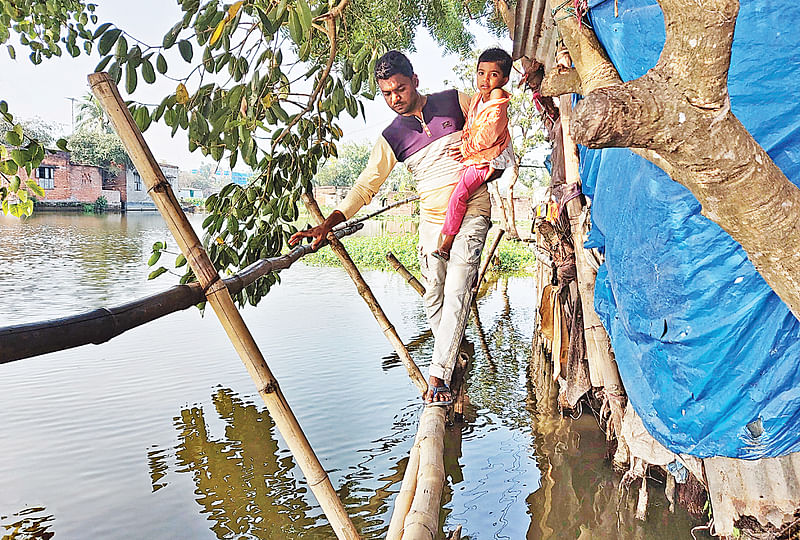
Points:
(678, 116)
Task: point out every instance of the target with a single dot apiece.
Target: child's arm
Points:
(485, 134)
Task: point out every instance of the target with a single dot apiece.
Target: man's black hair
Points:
(392, 63)
(500, 56)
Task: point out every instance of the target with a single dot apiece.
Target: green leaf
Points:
(305, 15)
(8, 167)
(185, 47)
(122, 48)
(148, 73)
(11, 52)
(157, 272)
(23, 195)
(108, 40)
(62, 145)
(295, 27)
(36, 188)
(130, 78)
(13, 138)
(161, 64)
(154, 258)
(180, 260)
(14, 185)
(172, 35)
(103, 63)
(100, 29)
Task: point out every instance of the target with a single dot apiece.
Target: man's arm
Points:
(464, 100)
(381, 162)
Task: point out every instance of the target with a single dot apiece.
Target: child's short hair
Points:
(501, 57)
(392, 63)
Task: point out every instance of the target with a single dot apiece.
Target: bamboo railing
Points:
(94, 327)
(220, 300)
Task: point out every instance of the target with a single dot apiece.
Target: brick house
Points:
(71, 185)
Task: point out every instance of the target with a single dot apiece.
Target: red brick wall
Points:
(119, 183)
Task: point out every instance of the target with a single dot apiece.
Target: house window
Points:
(45, 176)
(137, 181)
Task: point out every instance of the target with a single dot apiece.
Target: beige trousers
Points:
(448, 287)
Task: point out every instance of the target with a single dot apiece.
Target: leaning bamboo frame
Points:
(100, 325)
(219, 297)
(366, 293)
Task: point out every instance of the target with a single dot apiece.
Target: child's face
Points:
(489, 76)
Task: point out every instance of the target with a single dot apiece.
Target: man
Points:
(426, 127)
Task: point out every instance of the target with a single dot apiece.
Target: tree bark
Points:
(678, 116)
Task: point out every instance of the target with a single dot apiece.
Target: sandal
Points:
(440, 390)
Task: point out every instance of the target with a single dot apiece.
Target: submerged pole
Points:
(366, 293)
(403, 271)
(219, 297)
(488, 260)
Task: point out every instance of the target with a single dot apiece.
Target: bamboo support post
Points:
(402, 503)
(403, 271)
(218, 296)
(488, 260)
(98, 326)
(366, 293)
(598, 345)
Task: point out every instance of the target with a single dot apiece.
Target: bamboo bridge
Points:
(417, 506)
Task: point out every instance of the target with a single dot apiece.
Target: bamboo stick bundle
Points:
(218, 296)
(422, 520)
(403, 271)
(488, 260)
(598, 344)
(402, 503)
(32, 339)
(366, 293)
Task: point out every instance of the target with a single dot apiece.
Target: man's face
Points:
(400, 92)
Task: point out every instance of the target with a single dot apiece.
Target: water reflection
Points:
(27, 524)
(144, 430)
(248, 486)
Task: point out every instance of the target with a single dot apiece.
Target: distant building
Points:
(137, 196)
(71, 185)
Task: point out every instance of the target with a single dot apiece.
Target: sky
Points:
(45, 90)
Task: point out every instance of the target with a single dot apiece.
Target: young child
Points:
(485, 141)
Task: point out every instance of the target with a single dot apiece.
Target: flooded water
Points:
(160, 433)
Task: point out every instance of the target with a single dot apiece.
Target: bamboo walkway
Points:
(417, 506)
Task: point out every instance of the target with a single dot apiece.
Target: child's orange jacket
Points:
(485, 134)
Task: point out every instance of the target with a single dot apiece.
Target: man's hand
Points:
(319, 234)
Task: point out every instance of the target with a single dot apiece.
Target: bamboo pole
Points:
(218, 296)
(366, 293)
(598, 343)
(422, 520)
(488, 260)
(402, 503)
(32, 339)
(403, 271)
(375, 213)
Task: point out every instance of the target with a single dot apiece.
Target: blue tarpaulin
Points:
(704, 346)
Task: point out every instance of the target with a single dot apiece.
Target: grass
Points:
(370, 252)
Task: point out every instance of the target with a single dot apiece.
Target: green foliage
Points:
(98, 148)
(47, 28)
(266, 83)
(100, 205)
(20, 152)
(370, 252)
